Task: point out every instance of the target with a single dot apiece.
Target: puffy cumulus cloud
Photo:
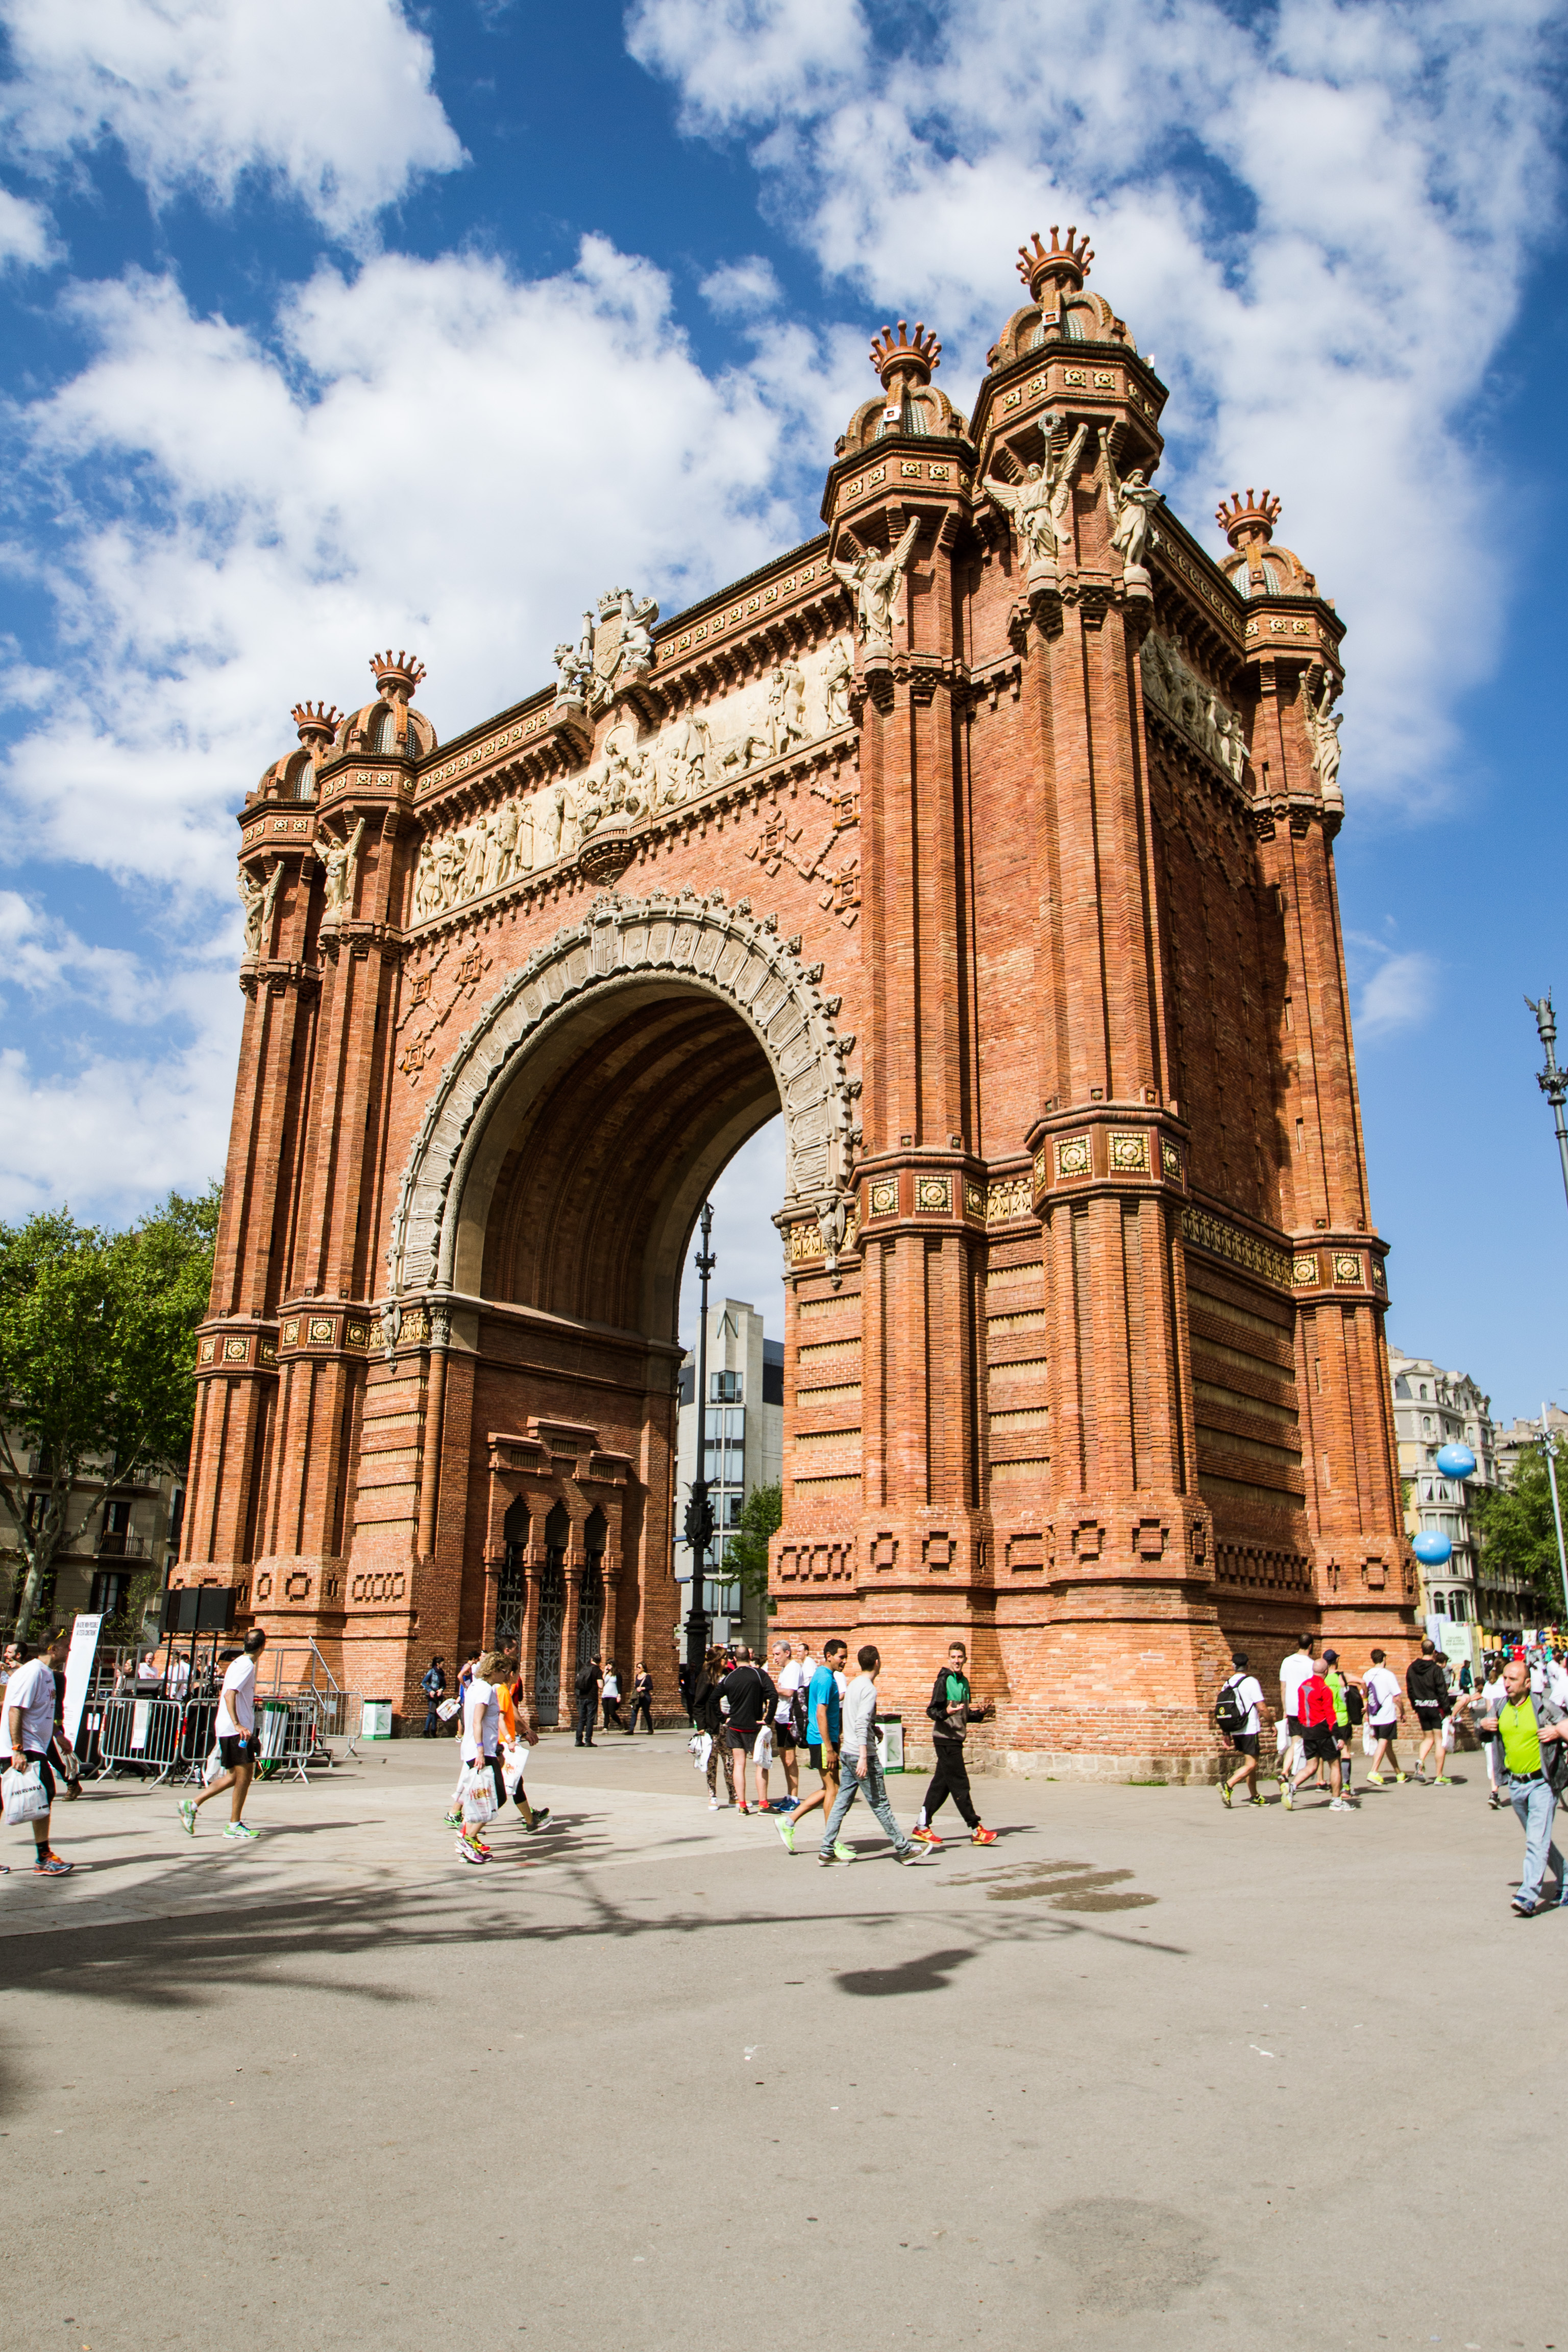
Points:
(435, 454)
(746, 288)
(331, 98)
(25, 238)
(1293, 205)
(127, 1082)
(1398, 992)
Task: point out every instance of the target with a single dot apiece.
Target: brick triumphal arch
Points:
(989, 836)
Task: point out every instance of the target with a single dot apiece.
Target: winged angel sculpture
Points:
(1040, 506)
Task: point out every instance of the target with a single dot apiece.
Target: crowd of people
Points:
(1519, 1712)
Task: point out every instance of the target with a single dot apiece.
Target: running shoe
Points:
(744, 1809)
(1442, 1781)
(914, 1853)
(712, 1804)
(469, 1853)
(983, 1837)
(787, 1832)
(925, 1837)
(1257, 1800)
(1420, 1780)
(1225, 1794)
(541, 1816)
(1527, 1910)
(1338, 1805)
(842, 1853)
(240, 1832)
(1287, 1797)
(49, 1866)
(1494, 1801)
(1375, 1780)
(1402, 1776)
(831, 1861)
(187, 1810)
(451, 1820)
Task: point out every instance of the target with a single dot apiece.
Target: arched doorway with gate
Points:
(540, 1234)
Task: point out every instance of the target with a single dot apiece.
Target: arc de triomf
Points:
(989, 835)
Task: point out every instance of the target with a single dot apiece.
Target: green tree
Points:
(1519, 1536)
(761, 1514)
(97, 1352)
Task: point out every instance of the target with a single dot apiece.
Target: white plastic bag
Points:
(213, 1766)
(448, 1709)
(27, 1800)
(701, 1745)
(477, 1792)
(513, 1762)
(1368, 1740)
(762, 1753)
(1281, 1736)
(1447, 1731)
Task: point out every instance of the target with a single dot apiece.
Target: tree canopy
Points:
(761, 1514)
(1517, 1534)
(96, 1360)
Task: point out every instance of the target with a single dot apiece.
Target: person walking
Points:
(1427, 1688)
(786, 1730)
(518, 1733)
(29, 1710)
(642, 1700)
(482, 1749)
(1493, 1693)
(1528, 1726)
(1348, 1714)
(1384, 1706)
(862, 1772)
(707, 1716)
(234, 1728)
(588, 1680)
(1243, 1712)
(1298, 1666)
(687, 1683)
(1320, 1743)
(749, 1699)
(824, 1718)
(433, 1682)
(952, 1711)
(611, 1696)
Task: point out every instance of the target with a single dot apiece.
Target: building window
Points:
(726, 1388)
(1424, 1394)
(1426, 1421)
(724, 1449)
(117, 1516)
(110, 1591)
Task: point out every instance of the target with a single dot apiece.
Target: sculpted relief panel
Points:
(637, 774)
(1173, 686)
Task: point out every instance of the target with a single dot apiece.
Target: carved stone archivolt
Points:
(701, 942)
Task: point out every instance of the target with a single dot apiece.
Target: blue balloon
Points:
(1433, 1550)
(1456, 1462)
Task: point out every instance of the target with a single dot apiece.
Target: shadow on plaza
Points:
(317, 1941)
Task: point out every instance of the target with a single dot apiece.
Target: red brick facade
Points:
(1022, 906)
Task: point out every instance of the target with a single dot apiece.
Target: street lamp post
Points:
(699, 1510)
(1552, 1081)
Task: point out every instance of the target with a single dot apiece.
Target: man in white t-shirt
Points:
(234, 1732)
(786, 1671)
(1248, 1694)
(1384, 1706)
(29, 1718)
(1295, 1671)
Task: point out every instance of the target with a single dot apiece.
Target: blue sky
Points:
(333, 324)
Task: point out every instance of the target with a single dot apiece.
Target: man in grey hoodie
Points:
(860, 1770)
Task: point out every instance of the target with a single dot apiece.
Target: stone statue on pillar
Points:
(874, 581)
(259, 900)
(1131, 504)
(340, 859)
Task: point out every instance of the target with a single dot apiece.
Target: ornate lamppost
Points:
(699, 1510)
(1552, 1081)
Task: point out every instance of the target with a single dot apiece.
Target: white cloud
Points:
(24, 234)
(742, 289)
(331, 99)
(1398, 994)
(1290, 204)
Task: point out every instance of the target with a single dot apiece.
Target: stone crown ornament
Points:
(396, 675)
(913, 360)
(1245, 521)
(1063, 266)
(316, 721)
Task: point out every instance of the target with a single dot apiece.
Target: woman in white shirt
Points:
(481, 1747)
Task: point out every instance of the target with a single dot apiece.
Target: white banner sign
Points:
(79, 1671)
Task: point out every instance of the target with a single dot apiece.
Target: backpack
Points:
(1355, 1706)
(1229, 1715)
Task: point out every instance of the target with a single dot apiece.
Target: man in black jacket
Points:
(1427, 1688)
(588, 1680)
(752, 1698)
(952, 1711)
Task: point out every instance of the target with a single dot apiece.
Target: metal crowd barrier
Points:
(164, 1739)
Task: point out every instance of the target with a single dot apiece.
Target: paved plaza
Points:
(1144, 2072)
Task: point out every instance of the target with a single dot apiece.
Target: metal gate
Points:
(510, 1601)
(591, 1612)
(547, 1651)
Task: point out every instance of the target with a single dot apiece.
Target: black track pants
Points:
(950, 1778)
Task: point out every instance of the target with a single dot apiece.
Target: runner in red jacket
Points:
(1315, 1710)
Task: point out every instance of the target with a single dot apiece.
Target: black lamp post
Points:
(699, 1510)
(1552, 1081)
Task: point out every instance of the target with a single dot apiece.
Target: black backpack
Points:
(1355, 1706)
(1229, 1714)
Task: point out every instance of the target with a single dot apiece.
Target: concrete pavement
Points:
(1143, 2073)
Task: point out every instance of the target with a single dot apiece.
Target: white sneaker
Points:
(712, 1804)
(1338, 1805)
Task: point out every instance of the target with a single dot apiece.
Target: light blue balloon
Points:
(1433, 1550)
(1456, 1462)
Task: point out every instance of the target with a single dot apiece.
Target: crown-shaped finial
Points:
(914, 358)
(1244, 519)
(396, 675)
(1064, 265)
(316, 721)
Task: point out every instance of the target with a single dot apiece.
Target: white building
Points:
(744, 1448)
(1434, 1408)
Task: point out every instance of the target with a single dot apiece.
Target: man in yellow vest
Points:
(1532, 1730)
